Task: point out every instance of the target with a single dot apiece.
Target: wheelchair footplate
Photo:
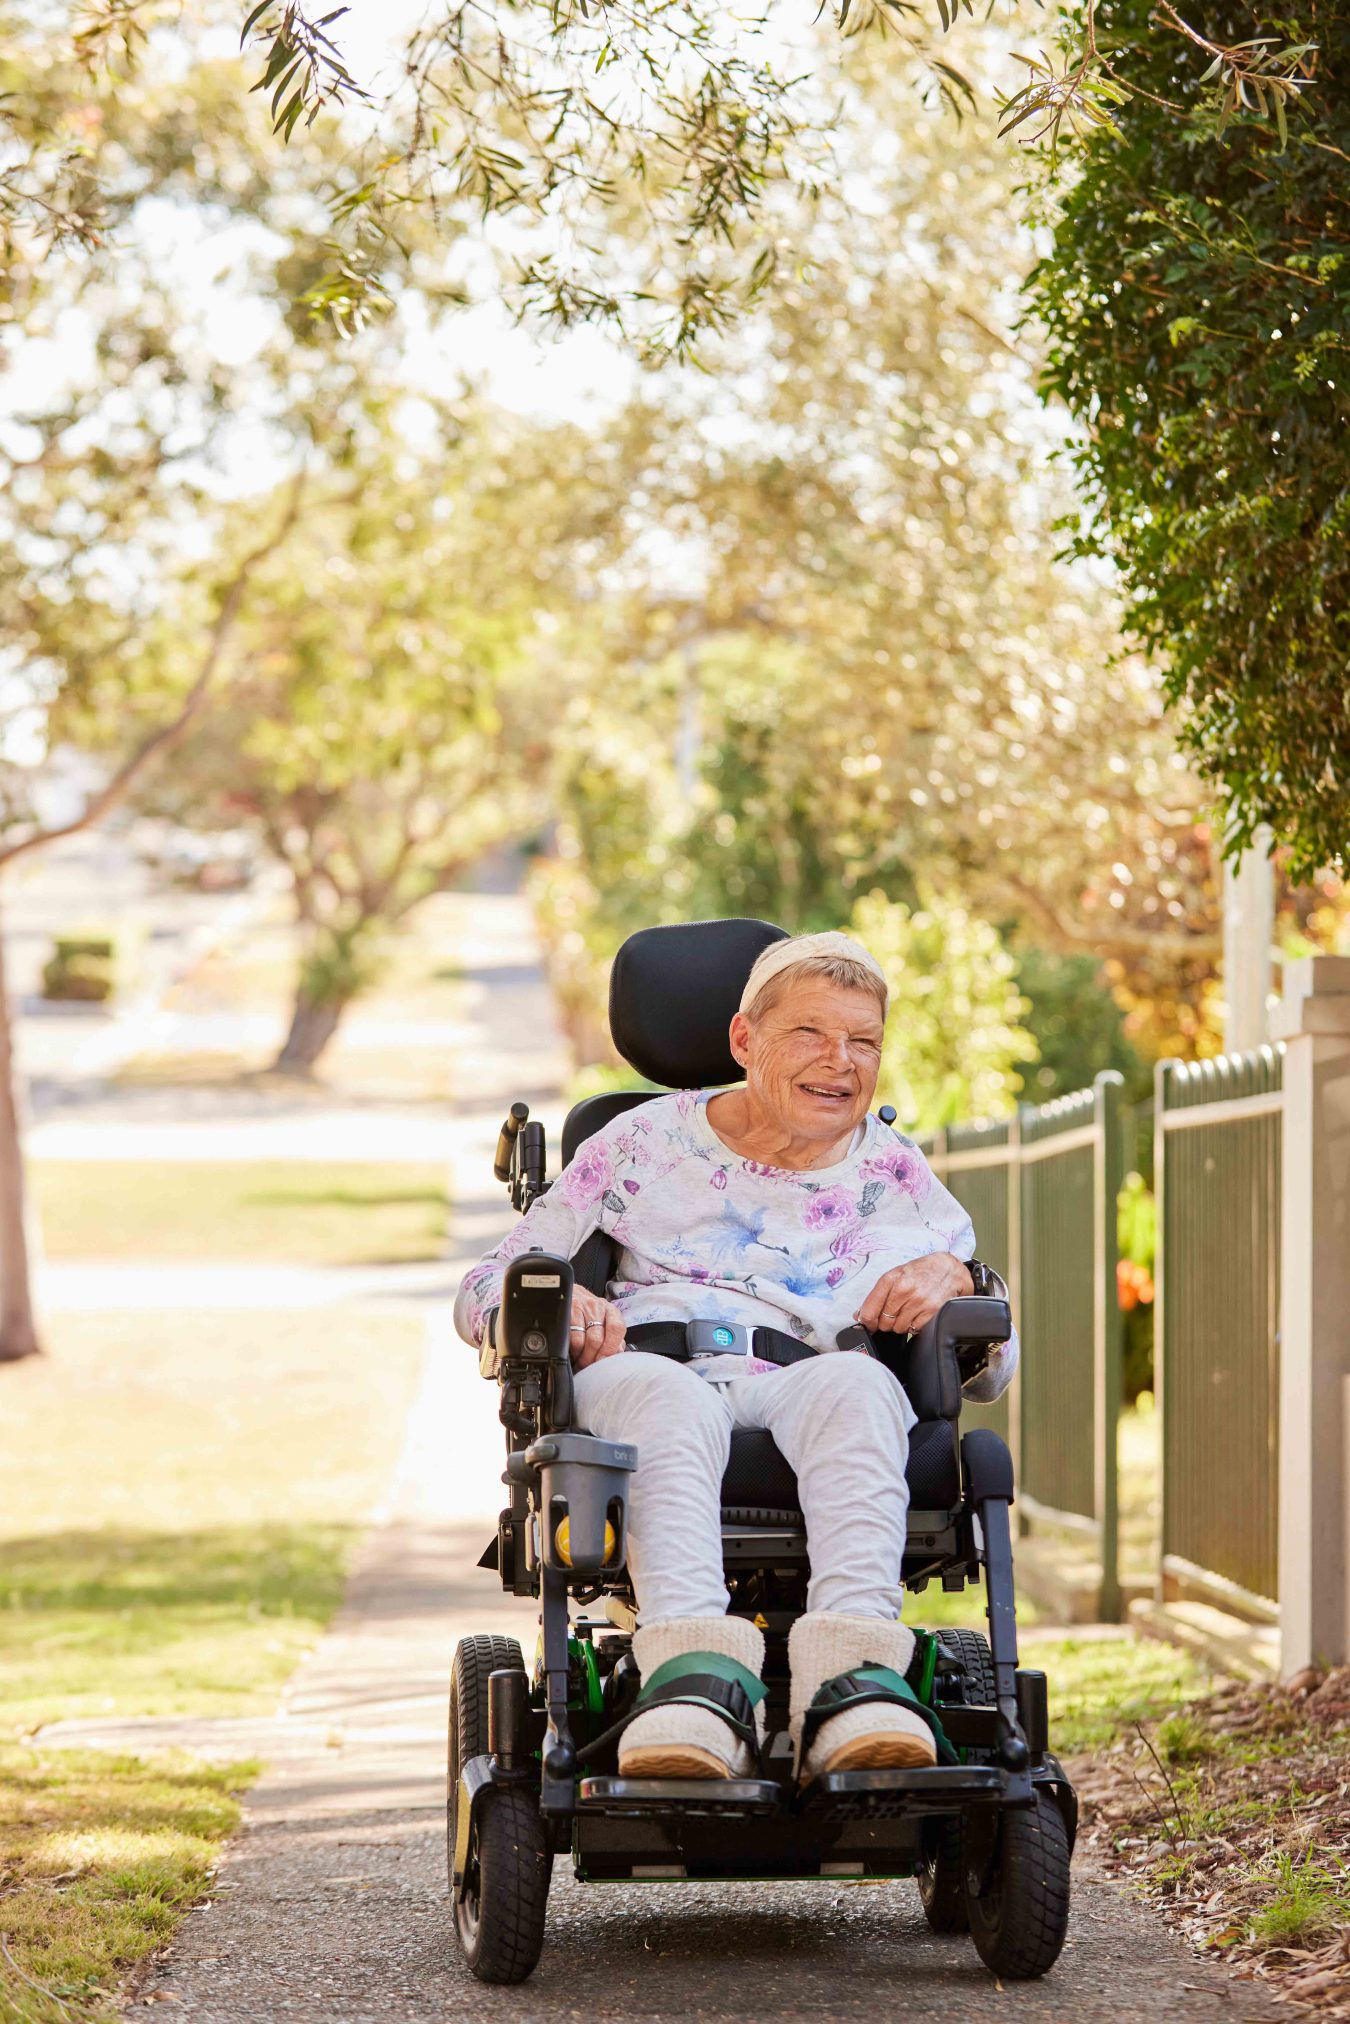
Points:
(681, 1798)
(898, 1794)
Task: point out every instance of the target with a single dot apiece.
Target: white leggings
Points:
(840, 1420)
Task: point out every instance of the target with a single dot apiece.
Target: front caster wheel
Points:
(499, 1909)
(1017, 1889)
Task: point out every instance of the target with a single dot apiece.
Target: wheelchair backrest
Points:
(672, 994)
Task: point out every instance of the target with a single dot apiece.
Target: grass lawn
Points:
(1099, 1687)
(292, 1211)
(178, 1495)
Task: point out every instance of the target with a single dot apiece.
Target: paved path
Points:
(331, 1908)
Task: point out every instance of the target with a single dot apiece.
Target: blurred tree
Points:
(634, 160)
(954, 1037)
(682, 124)
(1197, 296)
(1078, 1027)
(834, 649)
(381, 730)
(133, 410)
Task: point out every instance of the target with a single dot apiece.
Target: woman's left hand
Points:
(910, 1295)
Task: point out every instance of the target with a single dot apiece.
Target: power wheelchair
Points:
(533, 1755)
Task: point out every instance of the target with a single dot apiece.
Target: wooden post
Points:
(1314, 1022)
(1106, 1331)
(1015, 1289)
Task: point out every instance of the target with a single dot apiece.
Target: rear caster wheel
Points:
(1017, 1889)
(499, 1908)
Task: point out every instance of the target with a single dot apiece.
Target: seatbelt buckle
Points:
(856, 1337)
(717, 1338)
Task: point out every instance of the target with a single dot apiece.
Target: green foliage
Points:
(668, 133)
(829, 649)
(379, 733)
(1181, 1739)
(953, 1038)
(1137, 1222)
(1197, 297)
(80, 969)
(1077, 1026)
(1310, 1900)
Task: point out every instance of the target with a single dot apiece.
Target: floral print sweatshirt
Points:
(704, 1235)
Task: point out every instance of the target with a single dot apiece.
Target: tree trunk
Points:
(18, 1329)
(314, 1021)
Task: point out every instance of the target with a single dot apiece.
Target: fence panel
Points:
(1041, 1191)
(1217, 1162)
(1058, 1224)
(976, 1162)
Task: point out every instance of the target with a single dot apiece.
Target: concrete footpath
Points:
(331, 1907)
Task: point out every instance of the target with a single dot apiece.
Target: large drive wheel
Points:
(1017, 1889)
(499, 1909)
(942, 1884)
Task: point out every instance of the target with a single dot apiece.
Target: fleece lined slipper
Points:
(701, 1702)
(848, 1660)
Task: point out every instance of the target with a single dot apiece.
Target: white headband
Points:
(786, 955)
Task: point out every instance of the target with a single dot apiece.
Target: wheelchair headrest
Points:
(672, 994)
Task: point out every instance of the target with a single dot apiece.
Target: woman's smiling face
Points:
(811, 1060)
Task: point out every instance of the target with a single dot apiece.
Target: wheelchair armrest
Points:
(934, 1362)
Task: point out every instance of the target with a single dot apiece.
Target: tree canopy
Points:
(1197, 298)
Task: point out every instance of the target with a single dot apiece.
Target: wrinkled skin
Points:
(811, 1063)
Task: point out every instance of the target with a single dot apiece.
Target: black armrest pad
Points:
(926, 1362)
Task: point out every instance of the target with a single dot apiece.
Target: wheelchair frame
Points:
(989, 1837)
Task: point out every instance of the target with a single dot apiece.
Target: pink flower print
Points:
(834, 1275)
(632, 1187)
(718, 1179)
(831, 1205)
(899, 1168)
(843, 1244)
(588, 1175)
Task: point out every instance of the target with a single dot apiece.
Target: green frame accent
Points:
(926, 1658)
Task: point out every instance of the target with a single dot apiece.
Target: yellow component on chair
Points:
(562, 1541)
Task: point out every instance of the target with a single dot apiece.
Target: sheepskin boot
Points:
(879, 1735)
(674, 1739)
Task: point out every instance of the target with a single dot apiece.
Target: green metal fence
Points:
(1041, 1191)
(1217, 1146)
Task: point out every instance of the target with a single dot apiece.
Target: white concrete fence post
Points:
(1313, 1020)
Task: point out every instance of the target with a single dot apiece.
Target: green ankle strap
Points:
(870, 1683)
(707, 1680)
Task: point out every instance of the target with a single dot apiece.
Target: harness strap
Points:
(668, 1338)
(699, 1680)
(866, 1683)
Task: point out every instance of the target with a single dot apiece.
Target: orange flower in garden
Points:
(1134, 1285)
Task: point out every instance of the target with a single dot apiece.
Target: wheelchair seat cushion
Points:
(758, 1479)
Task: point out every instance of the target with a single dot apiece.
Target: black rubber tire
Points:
(942, 1883)
(1019, 1920)
(971, 1647)
(499, 1913)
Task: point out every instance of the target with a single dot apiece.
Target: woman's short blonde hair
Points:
(836, 958)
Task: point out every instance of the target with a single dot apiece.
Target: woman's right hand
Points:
(597, 1328)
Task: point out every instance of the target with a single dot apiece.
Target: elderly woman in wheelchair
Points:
(741, 1291)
